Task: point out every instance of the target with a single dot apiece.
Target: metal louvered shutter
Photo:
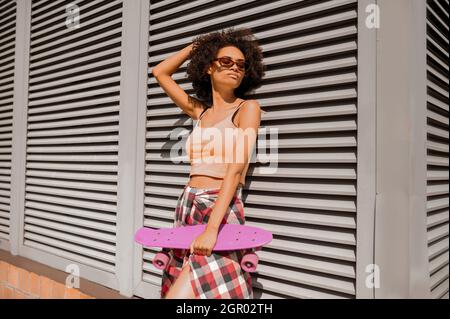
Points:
(437, 145)
(72, 134)
(309, 204)
(7, 49)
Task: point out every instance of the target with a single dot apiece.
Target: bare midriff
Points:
(203, 181)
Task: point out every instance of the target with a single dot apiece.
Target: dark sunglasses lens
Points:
(226, 62)
(241, 65)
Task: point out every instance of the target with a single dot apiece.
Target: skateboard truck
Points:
(248, 263)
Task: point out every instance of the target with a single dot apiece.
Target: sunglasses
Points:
(228, 62)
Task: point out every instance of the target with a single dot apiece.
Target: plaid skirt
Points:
(218, 276)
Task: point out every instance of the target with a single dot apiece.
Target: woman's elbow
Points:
(155, 72)
(236, 170)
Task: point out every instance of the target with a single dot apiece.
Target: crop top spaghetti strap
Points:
(205, 147)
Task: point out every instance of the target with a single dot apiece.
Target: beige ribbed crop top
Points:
(206, 150)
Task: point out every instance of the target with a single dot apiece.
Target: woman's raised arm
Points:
(163, 74)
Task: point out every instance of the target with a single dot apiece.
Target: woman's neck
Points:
(223, 106)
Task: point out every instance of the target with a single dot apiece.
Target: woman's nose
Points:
(234, 67)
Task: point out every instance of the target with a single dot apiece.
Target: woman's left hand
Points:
(204, 243)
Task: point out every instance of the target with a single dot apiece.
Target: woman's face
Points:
(227, 76)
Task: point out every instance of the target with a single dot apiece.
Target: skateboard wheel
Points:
(249, 262)
(161, 260)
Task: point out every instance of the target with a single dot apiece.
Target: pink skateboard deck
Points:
(230, 237)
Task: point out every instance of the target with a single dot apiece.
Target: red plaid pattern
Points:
(218, 276)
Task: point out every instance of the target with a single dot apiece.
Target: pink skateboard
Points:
(230, 237)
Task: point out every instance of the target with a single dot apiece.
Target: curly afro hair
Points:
(205, 48)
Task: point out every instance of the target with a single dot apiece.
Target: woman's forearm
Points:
(171, 64)
(226, 194)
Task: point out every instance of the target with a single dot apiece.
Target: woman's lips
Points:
(233, 76)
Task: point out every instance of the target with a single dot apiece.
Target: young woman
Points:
(224, 67)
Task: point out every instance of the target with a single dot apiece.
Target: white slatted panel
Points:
(310, 95)
(7, 48)
(437, 145)
(72, 138)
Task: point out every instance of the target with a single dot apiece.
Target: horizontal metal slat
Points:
(89, 74)
(74, 39)
(294, 113)
(304, 201)
(437, 218)
(274, 31)
(325, 188)
(73, 221)
(440, 291)
(176, 9)
(73, 212)
(437, 189)
(437, 146)
(263, 132)
(4, 223)
(439, 76)
(438, 32)
(438, 262)
(438, 247)
(4, 233)
(437, 160)
(160, 201)
(431, 11)
(69, 252)
(45, 243)
(112, 101)
(436, 203)
(303, 216)
(72, 202)
(154, 212)
(44, 11)
(5, 165)
(75, 131)
(73, 140)
(316, 265)
(79, 95)
(71, 193)
(72, 230)
(439, 276)
(73, 176)
(158, 224)
(325, 96)
(432, 44)
(437, 175)
(167, 180)
(100, 13)
(438, 233)
(90, 248)
(443, 120)
(438, 103)
(73, 158)
(46, 96)
(72, 167)
(67, 123)
(340, 285)
(309, 232)
(151, 279)
(341, 140)
(91, 186)
(71, 150)
(51, 75)
(295, 291)
(323, 156)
